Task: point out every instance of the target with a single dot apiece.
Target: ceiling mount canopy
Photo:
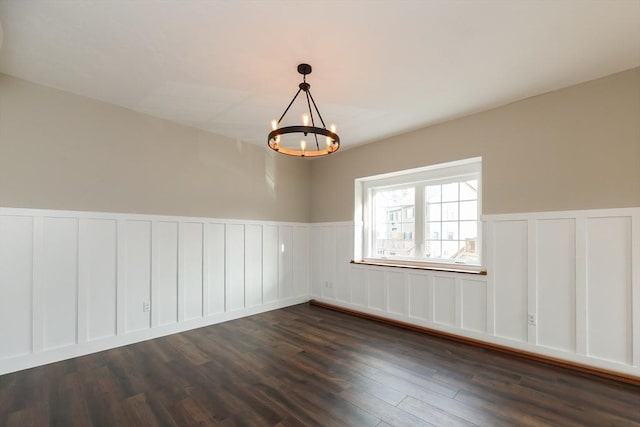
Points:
(304, 140)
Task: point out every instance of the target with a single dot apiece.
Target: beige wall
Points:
(575, 148)
(62, 151)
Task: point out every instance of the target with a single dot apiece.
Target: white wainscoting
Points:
(576, 272)
(72, 283)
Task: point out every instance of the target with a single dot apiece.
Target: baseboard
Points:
(578, 367)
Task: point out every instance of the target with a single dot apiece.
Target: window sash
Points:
(445, 176)
(374, 249)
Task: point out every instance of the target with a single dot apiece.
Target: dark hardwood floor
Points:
(307, 365)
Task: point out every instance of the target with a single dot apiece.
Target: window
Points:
(451, 220)
(426, 215)
(393, 230)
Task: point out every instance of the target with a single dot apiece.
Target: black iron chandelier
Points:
(323, 141)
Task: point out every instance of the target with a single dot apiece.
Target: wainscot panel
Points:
(563, 285)
(73, 283)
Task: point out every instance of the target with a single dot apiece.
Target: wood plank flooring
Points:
(307, 365)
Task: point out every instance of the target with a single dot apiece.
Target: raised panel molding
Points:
(510, 278)
(165, 272)
(270, 257)
(253, 265)
(418, 296)
(137, 273)
(444, 300)
(474, 305)
(72, 283)
(16, 274)
(191, 245)
(377, 290)
(216, 268)
(344, 253)
(60, 268)
(327, 261)
(285, 268)
(300, 261)
(359, 287)
(397, 293)
(556, 283)
(234, 256)
(101, 284)
(609, 322)
(316, 256)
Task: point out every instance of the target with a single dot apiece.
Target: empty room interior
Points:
(319, 213)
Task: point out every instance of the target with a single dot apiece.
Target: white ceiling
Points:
(380, 68)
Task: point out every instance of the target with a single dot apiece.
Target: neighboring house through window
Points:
(425, 215)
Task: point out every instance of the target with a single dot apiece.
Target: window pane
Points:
(450, 192)
(432, 231)
(450, 230)
(450, 211)
(469, 190)
(468, 251)
(407, 230)
(469, 210)
(433, 211)
(394, 226)
(433, 249)
(450, 250)
(468, 230)
(432, 193)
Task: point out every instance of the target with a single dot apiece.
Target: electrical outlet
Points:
(531, 319)
(146, 306)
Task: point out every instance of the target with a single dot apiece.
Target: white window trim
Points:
(451, 171)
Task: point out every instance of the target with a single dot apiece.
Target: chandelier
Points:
(304, 140)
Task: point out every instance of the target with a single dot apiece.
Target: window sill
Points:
(451, 269)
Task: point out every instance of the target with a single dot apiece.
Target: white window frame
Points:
(420, 177)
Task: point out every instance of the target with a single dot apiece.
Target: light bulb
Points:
(328, 142)
(274, 124)
(333, 128)
(305, 119)
(303, 144)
